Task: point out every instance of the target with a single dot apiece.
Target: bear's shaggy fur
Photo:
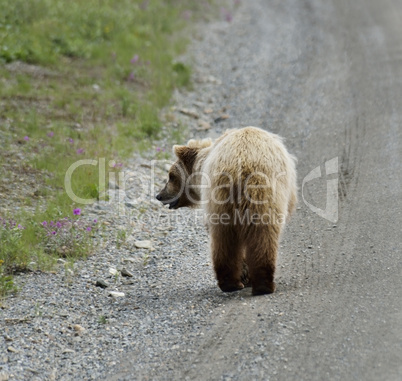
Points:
(246, 183)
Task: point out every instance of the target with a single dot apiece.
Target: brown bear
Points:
(246, 183)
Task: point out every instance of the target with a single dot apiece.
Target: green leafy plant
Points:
(102, 319)
(145, 259)
(121, 238)
(68, 236)
(7, 285)
(14, 256)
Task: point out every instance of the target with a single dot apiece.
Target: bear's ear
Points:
(187, 155)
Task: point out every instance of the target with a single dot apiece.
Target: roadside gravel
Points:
(63, 326)
(78, 321)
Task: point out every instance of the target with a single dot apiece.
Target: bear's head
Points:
(179, 190)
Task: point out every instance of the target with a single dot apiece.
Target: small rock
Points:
(198, 104)
(310, 246)
(12, 349)
(117, 294)
(130, 204)
(61, 261)
(210, 79)
(126, 273)
(52, 375)
(4, 376)
(67, 350)
(208, 111)
(34, 371)
(78, 328)
(113, 185)
(131, 260)
(113, 271)
(214, 80)
(146, 244)
(101, 283)
(189, 112)
(203, 125)
(221, 118)
(99, 206)
(128, 282)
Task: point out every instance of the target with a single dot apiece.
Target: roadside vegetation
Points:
(78, 80)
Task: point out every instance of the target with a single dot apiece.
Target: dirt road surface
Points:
(326, 75)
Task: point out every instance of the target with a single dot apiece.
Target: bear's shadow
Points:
(212, 292)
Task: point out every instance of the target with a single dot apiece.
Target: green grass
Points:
(79, 80)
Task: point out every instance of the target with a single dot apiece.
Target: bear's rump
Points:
(249, 173)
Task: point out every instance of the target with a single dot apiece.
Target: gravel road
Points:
(327, 77)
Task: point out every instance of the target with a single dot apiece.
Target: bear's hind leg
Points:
(261, 255)
(227, 257)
